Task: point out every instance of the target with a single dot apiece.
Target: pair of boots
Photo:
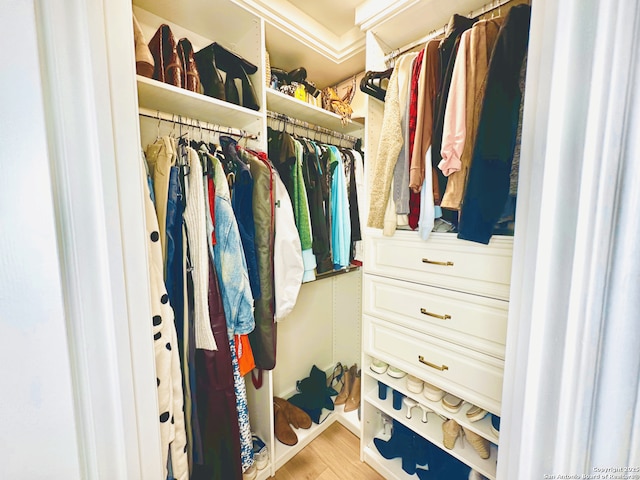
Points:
(450, 432)
(314, 396)
(166, 60)
(287, 415)
(350, 393)
(416, 451)
(215, 57)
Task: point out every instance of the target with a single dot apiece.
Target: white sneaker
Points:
(250, 473)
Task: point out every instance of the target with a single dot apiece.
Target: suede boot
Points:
(399, 442)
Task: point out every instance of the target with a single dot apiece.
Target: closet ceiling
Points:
(327, 37)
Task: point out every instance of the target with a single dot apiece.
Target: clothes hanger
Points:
(371, 83)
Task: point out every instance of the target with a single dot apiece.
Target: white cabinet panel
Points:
(469, 320)
(470, 375)
(443, 261)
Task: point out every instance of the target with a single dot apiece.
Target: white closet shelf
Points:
(481, 427)
(281, 103)
(155, 95)
(284, 453)
(432, 431)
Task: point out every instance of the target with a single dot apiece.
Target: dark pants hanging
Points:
(217, 412)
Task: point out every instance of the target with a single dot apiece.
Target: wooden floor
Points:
(334, 455)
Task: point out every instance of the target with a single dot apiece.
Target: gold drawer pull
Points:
(435, 315)
(435, 262)
(432, 365)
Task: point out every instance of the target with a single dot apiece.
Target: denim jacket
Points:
(231, 268)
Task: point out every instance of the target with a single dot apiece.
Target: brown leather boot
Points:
(190, 75)
(295, 415)
(168, 68)
(349, 377)
(283, 431)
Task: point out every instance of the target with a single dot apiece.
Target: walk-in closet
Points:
(243, 236)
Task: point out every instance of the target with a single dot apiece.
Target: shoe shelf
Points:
(432, 431)
(280, 103)
(158, 96)
(349, 419)
(481, 427)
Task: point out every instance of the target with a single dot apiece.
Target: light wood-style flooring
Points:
(334, 455)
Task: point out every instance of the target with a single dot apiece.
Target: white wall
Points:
(38, 434)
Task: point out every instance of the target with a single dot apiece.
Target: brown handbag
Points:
(190, 75)
(168, 67)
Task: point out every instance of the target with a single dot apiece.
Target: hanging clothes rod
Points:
(310, 126)
(440, 31)
(196, 124)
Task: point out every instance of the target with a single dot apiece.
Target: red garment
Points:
(414, 198)
(212, 208)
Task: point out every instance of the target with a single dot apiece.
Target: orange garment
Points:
(482, 39)
(427, 91)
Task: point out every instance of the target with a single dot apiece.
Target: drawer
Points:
(475, 377)
(443, 261)
(473, 321)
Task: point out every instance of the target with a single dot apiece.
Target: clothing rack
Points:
(494, 4)
(311, 127)
(196, 124)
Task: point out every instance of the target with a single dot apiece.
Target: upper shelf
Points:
(166, 98)
(281, 103)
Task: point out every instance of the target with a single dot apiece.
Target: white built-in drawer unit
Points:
(477, 322)
(443, 261)
(471, 375)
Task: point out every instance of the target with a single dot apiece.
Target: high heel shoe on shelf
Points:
(349, 377)
(353, 402)
(336, 379)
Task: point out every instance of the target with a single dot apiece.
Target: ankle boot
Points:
(168, 68)
(294, 415)
(283, 431)
(144, 59)
(353, 402)
(349, 377)
(450, 431)
(399, 442)
(190, 75)
(480, 444)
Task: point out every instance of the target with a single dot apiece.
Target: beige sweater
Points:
(389, 145)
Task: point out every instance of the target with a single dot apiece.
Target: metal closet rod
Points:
(196, 124)
(486, 8)
(310, 126)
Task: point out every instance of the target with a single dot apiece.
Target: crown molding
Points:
(372, 13)
(296, 23)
